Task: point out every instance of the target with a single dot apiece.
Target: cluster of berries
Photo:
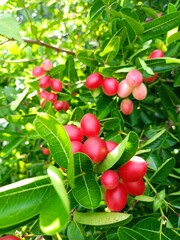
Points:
(53, 84)
(128, 179)
(85, 138)
(132, 84)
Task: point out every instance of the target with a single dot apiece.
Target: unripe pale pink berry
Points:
(126, 106)
(47, 65)
(134, 78)
(140, 92)
(124, 90)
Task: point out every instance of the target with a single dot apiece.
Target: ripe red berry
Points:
(124, 89)
(44, 82)
(9, 237)
(135, 188)
(76, 146)
(47, 65)
(94, 81)
(74, 132)
(51, 97)
(111, 145)
(56, 85)
(90, 125)
(126, 106)
(156, 54)
(109, 179)
(116, 198)
(95, 148)
(110, 86)
(133, 170)
(134, 78)
(45, 151)
(38, 72)
(140, 92)
(44, 95)
(61, 105)
(151, 79)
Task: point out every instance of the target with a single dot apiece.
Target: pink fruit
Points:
(151, 79)
(109, 179)
(38, 72)
(111, 145)
(47, 65)
(74, 132)
(56, 85)
(134, 78)
(126, 106)
(44, 82)
(76, 146)
(124, 89)
(135, 188)
(110, 86)
(156, 54)
(94, 81)
(140, 92)
(90, 125)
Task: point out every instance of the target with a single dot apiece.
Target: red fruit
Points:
(44, 82)
(94, 81)
(76, 146)
(156, 54)
(109, 179)
(140, 92)
(111, 145)
(45, 151)
(9, 237)
(56, 85)
(126, 106)
(133, 170)
(110, 86)
(47, 65)
(74, 133)
(90, 125)
(134, 78)
(51, 97)
(135, 188)
(151, 79)
(44, 95)
(95, 148)
(124, 90)
(116, 198)
(38, 72)
(61, 105)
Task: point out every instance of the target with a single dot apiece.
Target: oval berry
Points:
(116, 198)
(56, 85)
(74, 133)
(133, 170)
(51, 97)
(45, 151)
(90, 125)
(76, 146)
(126, 106)
(151, 79)
(109, 179)
(156, 54)
(94, 81)
(44, 82)
(95, 148)
(134, 78)
(38, 72)
(9, 237)
(47, 65)
(135, 188)
(140, 92)
(110, 86)
(111, 145)
(124, 89)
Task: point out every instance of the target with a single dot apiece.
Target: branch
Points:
(31, 41)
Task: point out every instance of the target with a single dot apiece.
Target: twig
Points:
(38, 42)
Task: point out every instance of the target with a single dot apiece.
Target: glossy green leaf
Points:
(7, 150)
(112, 234)
(22, 200)
(149, 228)
(55, 212)
(150, 12)
(53, 132)
(144, 198)
(158, 200)
(76, 229)
(87, 191)
(19, 99)
(161, 25)
(87, 57)
(120, 155)
(69, 72)
(96, 9)
(102, 218)
(9, 27)
(105, 106)
(163, 171)
(174, 37)
(153, 139)
(111, 50)
(130, 234)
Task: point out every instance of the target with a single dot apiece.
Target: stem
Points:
(25, 9)
(151, 186)
(38, 42)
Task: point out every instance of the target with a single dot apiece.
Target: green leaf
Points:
(111, 49)
(96, 9)
(158, 201)
(144, 198)
(87, 57)
(154, 138)
(161, 25)
(105, 106)
(174, 37)
(53, 132)
(76, 229)
(55, 213)
(69, 71)
(102, 218)
(23, 200)
(87, 191)
(7, 150)
(19, 99)
(129, 234)
(149, 11)
(9, 27)
(163, 171)
(120, 155)
(149, 228)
